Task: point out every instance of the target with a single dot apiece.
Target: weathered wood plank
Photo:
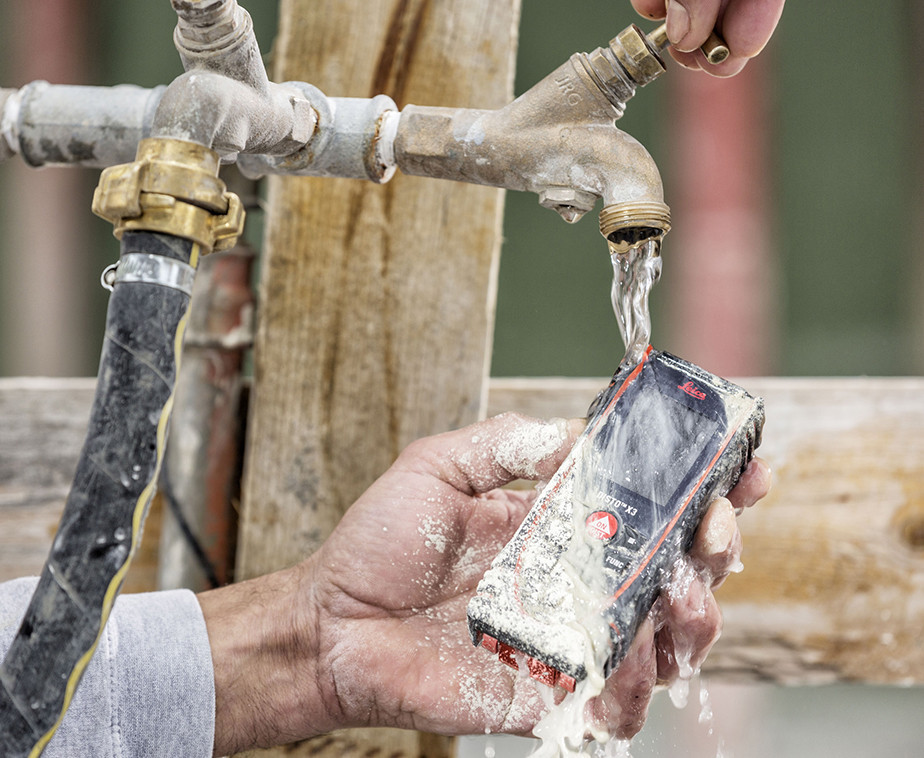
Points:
(833, 586)
(376, 303)
(42, 426)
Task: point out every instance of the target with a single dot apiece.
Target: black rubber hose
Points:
(101, 525)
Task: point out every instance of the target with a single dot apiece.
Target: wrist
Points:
(264, 638)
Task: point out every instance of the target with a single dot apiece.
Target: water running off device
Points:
(662, 441)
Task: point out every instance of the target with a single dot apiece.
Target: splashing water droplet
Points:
(679, 692)
(705, 705)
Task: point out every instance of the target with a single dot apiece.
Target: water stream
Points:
(635, 271)
(565, 728)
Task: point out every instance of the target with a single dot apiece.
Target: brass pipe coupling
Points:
(627, 225)
(171, 188)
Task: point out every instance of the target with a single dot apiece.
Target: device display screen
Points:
(641, 459)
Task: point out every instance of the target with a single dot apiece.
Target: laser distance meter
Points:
(662, 441)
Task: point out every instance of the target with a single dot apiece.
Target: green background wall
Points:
(845, 156)
(845, 165)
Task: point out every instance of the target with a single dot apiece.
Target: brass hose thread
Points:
(625, 225)
(172, 188)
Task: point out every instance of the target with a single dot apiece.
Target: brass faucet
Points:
(558, 139)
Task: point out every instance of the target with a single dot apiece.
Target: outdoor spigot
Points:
(557, 140)
(638, 55)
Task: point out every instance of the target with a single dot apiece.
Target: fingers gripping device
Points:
(662, 441)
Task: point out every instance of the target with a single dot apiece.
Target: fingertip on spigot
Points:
(714, 48)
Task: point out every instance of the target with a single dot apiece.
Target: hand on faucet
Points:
(745, 25)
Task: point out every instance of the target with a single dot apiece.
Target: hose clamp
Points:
(150, 269)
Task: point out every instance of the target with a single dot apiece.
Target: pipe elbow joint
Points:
(558, 139)
(633, 196)
(591, 162)
(569, 164)
(232, 117)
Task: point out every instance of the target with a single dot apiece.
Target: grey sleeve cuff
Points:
(149, 689)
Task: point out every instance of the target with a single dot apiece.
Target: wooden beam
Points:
(376, 305)
(42, 426)
(377, 302)
(833, 586)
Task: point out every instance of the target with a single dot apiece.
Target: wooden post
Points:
(376, 303)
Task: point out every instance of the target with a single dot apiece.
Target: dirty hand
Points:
(745, 25)
(371, 630)
(686, 620)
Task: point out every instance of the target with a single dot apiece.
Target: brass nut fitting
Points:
(172, 188)
(637, 55)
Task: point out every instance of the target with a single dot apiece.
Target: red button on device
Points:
(601, 525)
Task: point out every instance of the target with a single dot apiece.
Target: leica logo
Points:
(692, 390)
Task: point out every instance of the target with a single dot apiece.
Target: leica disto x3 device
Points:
(662, 441)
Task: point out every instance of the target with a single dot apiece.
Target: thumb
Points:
(483, 456)
(530, 448)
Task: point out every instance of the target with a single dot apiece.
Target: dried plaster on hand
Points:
(529, 445)
(519, 451)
